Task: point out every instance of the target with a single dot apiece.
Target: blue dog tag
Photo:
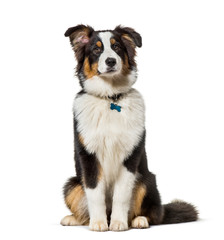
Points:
(116, 107)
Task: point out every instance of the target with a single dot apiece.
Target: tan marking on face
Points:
(125, 67)
(76, 202)
(112, 41)
(90, 71)
(99, 44)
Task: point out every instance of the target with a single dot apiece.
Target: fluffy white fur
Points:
(97, 207)
(110, 134)
(121, 200)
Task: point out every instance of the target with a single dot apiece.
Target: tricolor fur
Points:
(113, 188)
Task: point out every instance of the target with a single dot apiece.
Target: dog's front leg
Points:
(94, 185)
(121, 200)
(97, 207)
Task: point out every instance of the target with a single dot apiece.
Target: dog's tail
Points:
(178, 212)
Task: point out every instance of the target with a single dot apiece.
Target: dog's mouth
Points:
(111, 70)
(108, 71)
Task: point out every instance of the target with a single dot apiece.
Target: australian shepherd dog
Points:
(113, 188)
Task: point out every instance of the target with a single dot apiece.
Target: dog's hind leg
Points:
(140, 222)
(70, 220)
(75, 199)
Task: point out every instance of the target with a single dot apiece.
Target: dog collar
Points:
(115, 98)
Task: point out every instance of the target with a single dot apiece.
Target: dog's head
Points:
(106, 64)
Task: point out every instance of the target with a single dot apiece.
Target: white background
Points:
(181, 77)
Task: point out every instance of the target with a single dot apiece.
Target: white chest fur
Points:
(110, 134)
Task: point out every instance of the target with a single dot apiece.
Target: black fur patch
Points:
(151, 205)
(133, 161)
(87, 165)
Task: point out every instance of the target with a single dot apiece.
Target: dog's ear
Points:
(79, 34)
(129, 36)
(131, 39)
(79, 37)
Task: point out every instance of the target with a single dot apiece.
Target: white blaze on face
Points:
(108, 52)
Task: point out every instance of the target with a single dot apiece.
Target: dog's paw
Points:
(99, 226)
(118, 226)
(140, 222)
(69, 221)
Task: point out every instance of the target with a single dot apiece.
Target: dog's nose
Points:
(110, 62)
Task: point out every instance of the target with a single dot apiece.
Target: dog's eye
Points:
(116, 46)
(96, 50)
